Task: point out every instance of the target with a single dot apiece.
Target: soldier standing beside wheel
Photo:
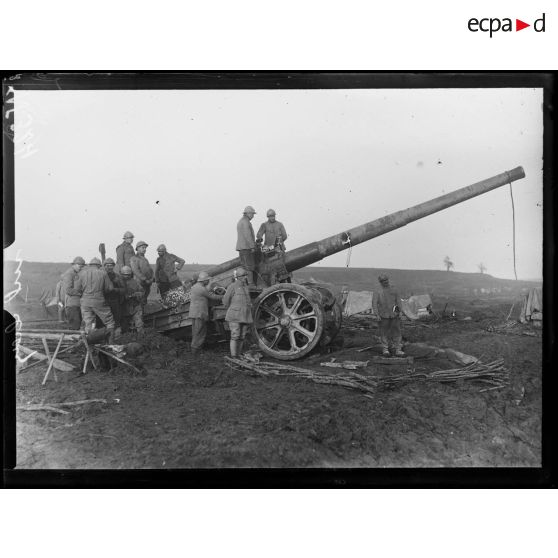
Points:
(239, 311)
(199, 311)
(272, 232)
(131, 309)
(387, 305)
(124, 251)
(166, 267)
(142, 270)
(246, 243)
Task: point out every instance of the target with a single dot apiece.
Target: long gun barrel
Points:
(316, 251)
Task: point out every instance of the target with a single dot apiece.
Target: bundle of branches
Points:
(510, 327)
(493, 373)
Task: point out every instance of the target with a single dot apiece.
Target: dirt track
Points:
(183, 413)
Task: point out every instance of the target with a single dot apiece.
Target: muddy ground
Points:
(185, 412)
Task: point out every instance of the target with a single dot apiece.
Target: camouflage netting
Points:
(174, 297)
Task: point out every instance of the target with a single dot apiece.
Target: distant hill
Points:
(39, 275)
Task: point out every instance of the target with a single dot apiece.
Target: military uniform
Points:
(95, 284)
(143, 274)
(384, 302)
(131, 308)
(270, 231)
(239, 310)
(72, 293)
(124, 254)
(116, 296)
(199, 314)
(165, 272)
(246, 246)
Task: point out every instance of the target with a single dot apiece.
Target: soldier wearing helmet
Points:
(71, 293)
(131, 309)
(387, 305)
(166, 267)
(272, 232)
(115, 297)
(239, 310)
(95, 285)
(142, 270)
(199, 310)
(246, 243)
(124, 251)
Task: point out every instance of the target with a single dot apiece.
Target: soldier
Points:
(124, 251)
(115, 297)
(273, 231)
(387, 305)
(239, 311)
(246, 243)
(131, 310)
(199, 310)
(165, 270)
(142, 270)
(95, 285)
(72, 293)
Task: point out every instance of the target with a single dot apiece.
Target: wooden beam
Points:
(58, 364)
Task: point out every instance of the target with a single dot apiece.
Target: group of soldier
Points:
(114, 294)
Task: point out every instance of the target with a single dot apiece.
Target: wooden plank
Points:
(58, 364)
(52, 360)
(392, 360)
(73, 336)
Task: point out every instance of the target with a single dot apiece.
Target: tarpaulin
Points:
(417, 306)
(358, 302)
(532, 306)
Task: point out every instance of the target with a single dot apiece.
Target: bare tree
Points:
(482, 267)
(448, 263)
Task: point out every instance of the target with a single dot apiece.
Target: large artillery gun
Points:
(290, 319)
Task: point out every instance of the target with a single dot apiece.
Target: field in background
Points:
(35, 276)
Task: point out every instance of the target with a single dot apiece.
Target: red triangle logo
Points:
(519, 25)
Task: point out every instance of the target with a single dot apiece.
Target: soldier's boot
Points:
(234, 348)
(240, 347)
(110, 336)
(250, 277)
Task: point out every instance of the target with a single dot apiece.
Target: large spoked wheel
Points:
(288, 321)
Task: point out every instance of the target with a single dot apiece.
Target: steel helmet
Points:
(161, 248)
(141, 243)
(203, 276)
(78, 260)
(128, 234)
(126, 270)
(270, 213)
(109, 261)
(249, 209)
(240, 272)
(95, 261)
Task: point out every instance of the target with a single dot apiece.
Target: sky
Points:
(178, 167)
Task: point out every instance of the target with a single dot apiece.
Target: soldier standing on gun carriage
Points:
(124, 251)
(272, 232)
(246, 243)
(166, 267)
(142, 270)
